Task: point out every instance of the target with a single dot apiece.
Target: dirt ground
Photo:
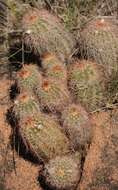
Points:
(101, 164)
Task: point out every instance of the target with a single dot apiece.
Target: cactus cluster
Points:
(43, 99)
(60, 88)
(100, 42)
(38, 130)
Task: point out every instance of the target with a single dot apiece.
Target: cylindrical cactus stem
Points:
(54, 68)
(77, 125)
(87, 83)
(43, 32)
(52, 96)
(3, 17)
(44, 137)
(25, 105)
(28, 77)
(4, 63)
(61, 173)
(100, 42)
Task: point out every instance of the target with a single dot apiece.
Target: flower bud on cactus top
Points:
(44, 137)
(100, 42)
(87, 84)
(54, 68)
(28, 77)
(52, 95)
(25, 105)
(62, 173)
(77, 125)
(49, 60)
(45, 33)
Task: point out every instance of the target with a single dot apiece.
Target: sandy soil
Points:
(100, 168)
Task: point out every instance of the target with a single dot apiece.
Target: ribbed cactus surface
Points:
(87, 84)
(52, 95)
(54, 68)
(28, 77)
(43, 32)
(25, 105)
(77, 125)
(3, 38)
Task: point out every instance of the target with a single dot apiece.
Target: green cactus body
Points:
(4, 64)
(16, 11)
(112, 89)
(3, 17)
(52, 96)
(54, 68)
(87, 84)
(49, 60)
(28, 77)
(25, 105)
(77, 125)
(62, 173)
(100, 42)
(44, 136)
(44, 33)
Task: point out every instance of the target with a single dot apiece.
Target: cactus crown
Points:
(62, 173)
(54, 68)
(75, 114)
(52, 96)
(25, 105)
(28, 77)
(50, 60)
(85, 70)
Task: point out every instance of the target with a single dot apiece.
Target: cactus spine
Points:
(44, 137)
(28, 77)
(54, 68)
(52, 96)
(45, 33)
(25, 105)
